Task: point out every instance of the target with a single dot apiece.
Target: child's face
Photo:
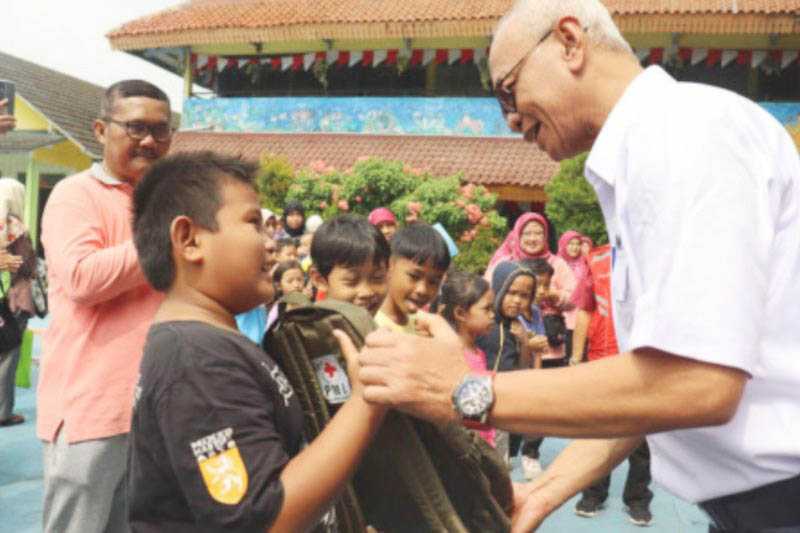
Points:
(388, 229)
(542, 287)
(237, 281)
(364, 285)
(271, 252)
(294, 220)
(479, 318)
(412, 286)
(287, 253)
(518, 293)
(305, 245)
(292, 281)
(574, 247)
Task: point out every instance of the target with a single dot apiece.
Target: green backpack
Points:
(415, 476)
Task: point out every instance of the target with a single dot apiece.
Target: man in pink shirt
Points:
(101, 307)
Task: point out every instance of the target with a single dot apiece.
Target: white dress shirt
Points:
(700, 189)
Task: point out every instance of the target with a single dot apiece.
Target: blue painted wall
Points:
(390, 115)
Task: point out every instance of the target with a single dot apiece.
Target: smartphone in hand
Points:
(7, 90)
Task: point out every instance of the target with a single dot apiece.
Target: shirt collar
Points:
(102, 175)
(608, 157)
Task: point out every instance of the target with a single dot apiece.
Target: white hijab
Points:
(12, 203)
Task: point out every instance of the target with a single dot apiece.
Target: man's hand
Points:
(531, 507)
(7, 122)
(412, 373)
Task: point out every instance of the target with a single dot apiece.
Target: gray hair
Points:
(540, 16)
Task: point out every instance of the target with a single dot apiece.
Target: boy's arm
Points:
(312, 478)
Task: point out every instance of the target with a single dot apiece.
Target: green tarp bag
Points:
(415, 476)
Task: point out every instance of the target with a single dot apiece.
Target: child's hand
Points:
(538, 343)
(519, 332)
(350, 354)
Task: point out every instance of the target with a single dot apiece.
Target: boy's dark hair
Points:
(186, 184)
(128, 89)
(460, 289)
(347, 241)
(538, 266)
(421, 243)
(280, 244)
(282, 268)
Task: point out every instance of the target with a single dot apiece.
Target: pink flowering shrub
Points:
(465, 210)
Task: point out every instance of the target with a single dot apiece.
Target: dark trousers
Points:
(773, 508)
(636, 486)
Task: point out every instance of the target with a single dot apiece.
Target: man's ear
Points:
(186, 243)
(572, 37)
(318, 279)
(99, 129)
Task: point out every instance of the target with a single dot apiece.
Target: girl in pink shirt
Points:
(468, 304)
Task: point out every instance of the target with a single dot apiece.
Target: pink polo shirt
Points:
(100, 307)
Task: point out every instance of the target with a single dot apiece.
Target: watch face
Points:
(474, 398)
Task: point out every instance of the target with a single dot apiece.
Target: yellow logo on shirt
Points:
(222, 467)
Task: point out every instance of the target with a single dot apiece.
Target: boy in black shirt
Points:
(217, 429)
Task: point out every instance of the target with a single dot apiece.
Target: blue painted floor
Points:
(21, 489)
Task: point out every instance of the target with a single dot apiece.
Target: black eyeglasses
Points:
(137, 130)
(505, 96)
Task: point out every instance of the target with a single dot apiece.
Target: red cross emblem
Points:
(329, 369)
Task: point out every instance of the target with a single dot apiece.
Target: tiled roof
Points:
(68, 103)
(16, 141)
(483, 160)
(242, 21)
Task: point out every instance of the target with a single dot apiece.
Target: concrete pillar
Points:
(32, 199)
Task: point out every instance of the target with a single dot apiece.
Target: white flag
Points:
(758, 57)
(378, 57)
(788, 57)
(286, 62)
(427, 56)
(699, 54)
(355, 57)
(728, 56)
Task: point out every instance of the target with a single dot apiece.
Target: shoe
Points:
(530, 467)
(588, 506)
(12, 420)
(640, 514)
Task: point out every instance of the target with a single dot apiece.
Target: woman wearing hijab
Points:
(294, 219)
(16, 244)
(527, 241)
(582, 300)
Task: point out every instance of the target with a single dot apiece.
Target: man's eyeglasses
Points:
(161, 132)
(505, 96)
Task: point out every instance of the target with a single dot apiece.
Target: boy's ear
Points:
(318, 279)
(184, 237)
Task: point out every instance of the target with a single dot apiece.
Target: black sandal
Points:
(13, 420)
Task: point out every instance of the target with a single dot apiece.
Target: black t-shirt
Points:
(215, 421)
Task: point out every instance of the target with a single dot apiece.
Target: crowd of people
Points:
(159, 411)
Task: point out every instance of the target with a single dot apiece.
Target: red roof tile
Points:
(241, 20)
(482, 160)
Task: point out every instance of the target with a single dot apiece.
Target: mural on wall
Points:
(417, 116)
(788, 114)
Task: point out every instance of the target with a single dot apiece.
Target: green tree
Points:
(275, 176)
(572, 202)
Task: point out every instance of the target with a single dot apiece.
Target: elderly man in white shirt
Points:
(700, 189)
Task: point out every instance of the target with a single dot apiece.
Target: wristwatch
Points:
(473, 398)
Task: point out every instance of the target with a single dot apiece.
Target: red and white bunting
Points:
(209, 64)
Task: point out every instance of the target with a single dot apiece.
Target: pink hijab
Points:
(511, 250)
(578, 264)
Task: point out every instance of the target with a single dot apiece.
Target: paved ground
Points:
(21, 489)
